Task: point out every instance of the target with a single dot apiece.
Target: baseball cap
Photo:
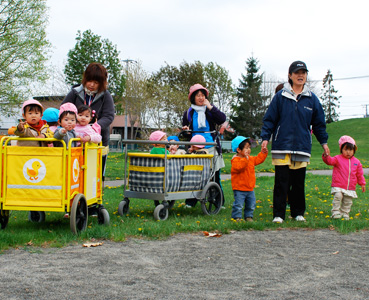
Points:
(51, 114)
(297, 65)
(68, 107)
(32, 101)
(198, 139)
(173, 137)
(237, 141)
(157, 135)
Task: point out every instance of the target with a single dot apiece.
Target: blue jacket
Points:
(289, 121)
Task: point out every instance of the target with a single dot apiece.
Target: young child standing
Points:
(158, 148)
(197, 149)
(33, 126)
(67, 122)
(243, 177)
(83, 127)
(347, 172)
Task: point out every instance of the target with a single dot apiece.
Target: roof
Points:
(119, 121)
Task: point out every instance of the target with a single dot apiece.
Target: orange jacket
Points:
(243, 171)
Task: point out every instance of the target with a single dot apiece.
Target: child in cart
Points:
(347, 172)
(174, 149)
(67, 122)
(243, 177)
(197, 149)
(158, 148)
(84, 127)
(51, 116)
(32, 126)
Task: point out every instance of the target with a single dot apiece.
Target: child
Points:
(243, 177)
(33, 126)
(51, 116)
(67, 122)
(158, 148)
(347, 172)
(173, 149)
(197, 149)
(83, 128)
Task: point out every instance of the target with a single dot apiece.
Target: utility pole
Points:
(127, 61)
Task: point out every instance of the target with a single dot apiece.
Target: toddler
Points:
(33, 126)
(158, 148)
(347, 172)
(83, 127)
(67, 122)
(243, 177)
(197, 149)
(174, 149)
(51, 116)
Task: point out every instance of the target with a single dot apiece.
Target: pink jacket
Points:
(346, 172)
(87, 130)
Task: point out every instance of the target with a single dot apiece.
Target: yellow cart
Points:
(55, 179)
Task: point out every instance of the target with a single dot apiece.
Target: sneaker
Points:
(300, 219)
(277, 220)
(336, 216)
(66, 216)
(239, 220)
(346, 217)
(249, 219)
(188, 206)
(223, 207)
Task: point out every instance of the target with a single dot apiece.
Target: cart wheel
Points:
(79, 214)
(103, 217)
(36, 216)
(170, 203)
(123, 207)
(212, 202)
(4, 218)
(161, 213)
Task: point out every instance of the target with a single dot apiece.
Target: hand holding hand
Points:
(326, 150)
(363, 189)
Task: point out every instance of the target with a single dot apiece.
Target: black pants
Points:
(292, 183)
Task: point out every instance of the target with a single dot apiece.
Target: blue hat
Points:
(237, 141)
(51, 114)
(173, 137)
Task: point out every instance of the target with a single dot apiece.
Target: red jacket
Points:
(243, 171)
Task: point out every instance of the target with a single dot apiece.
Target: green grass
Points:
(139, 223)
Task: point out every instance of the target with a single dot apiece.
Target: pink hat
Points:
(68, 107)
(157, 135)
(32, 101)
(198, 139)
(346, 139)
(195, 88)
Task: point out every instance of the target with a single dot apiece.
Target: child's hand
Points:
(264, 150)
(363, 188)
(21, 125)
(85, 139)
(41, 136)
(63, 131)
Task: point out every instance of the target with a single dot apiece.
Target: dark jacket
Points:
(289, 121)
(103, 104)
(213, 116)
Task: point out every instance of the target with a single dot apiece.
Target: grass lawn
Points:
(139, 222)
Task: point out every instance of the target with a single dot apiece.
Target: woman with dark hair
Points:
(288, 118)
(93, 93)
(204, 116)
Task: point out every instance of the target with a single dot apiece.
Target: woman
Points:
(203, 116)
(93, 92)
(288, 118)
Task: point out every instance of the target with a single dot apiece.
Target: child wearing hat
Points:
(347, 172)
(197, 149)
(51, 116)
(173, 148)
(243, 177)
(158, 148)
(67, 121)
(33, 126)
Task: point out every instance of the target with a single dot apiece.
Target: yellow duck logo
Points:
(33, 173)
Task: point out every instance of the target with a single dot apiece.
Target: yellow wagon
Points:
(55, 179)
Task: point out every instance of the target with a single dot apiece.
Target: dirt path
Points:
(281, 264)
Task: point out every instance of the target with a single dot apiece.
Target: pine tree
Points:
(248, 111)
(330, 100)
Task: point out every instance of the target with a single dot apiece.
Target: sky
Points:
(325, 34)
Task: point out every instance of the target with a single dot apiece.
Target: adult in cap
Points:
(204, 116)
(289, 118)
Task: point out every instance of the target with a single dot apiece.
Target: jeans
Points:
(241, 197)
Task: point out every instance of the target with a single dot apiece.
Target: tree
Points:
(330, 100)
(91, 48)
(23, 47)
(250, 107)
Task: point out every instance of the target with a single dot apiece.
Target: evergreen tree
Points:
(330, 100)
(249, 110)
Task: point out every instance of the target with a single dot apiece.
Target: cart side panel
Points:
(92, 169)
(75, 172)
(33, 177)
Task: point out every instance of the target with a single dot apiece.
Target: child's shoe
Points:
(336, 216)
(66, 216)
(249, 219)
(300, 219)
(346, 217)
